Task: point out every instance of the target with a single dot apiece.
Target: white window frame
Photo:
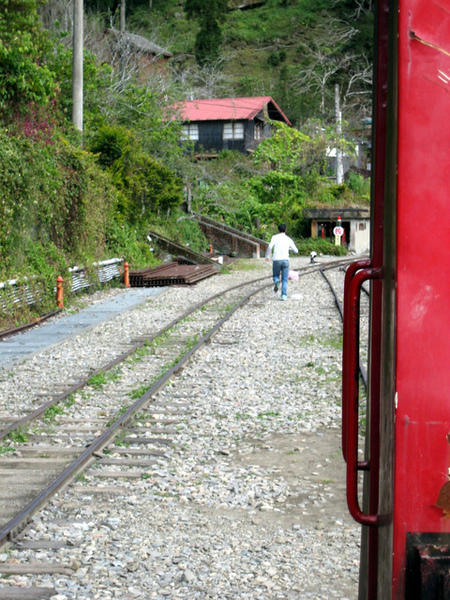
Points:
(190, 132)
(258, 131)
(233, 130)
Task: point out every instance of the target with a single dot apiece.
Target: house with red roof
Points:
(228, 123)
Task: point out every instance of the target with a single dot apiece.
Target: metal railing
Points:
(27, 292)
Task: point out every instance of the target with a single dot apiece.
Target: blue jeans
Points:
(281, 267)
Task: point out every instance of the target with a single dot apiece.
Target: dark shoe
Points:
(276, 287)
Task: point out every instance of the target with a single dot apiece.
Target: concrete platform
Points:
(19, 347)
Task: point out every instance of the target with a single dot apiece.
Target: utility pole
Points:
(122, 43)
(122, 16)
(77, 72)
(339, 162)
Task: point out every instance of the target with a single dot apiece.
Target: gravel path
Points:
(249, 501)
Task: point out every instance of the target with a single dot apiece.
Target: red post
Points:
(126, 274)
(59, 292)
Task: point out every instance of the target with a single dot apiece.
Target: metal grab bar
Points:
(350, 273)
(351, 389)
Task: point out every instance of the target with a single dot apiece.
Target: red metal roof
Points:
(227, 109)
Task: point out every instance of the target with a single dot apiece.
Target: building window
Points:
(233, 131)
(190, 132)
(258, 132)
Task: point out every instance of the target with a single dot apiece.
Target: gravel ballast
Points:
(248, 501)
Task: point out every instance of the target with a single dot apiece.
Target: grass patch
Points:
(247, 265)
(334, 341)
(268, 414)
(242, 416)
(120, 441)
(19, 436)
(140, 391)
(98, 381)
(51, 412)
(120, 412)
(70, 401)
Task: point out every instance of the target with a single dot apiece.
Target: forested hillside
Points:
(69, 197)
(293, 50)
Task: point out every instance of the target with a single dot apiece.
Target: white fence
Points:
(16, 293)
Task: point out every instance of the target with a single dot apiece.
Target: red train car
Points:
(400, 490)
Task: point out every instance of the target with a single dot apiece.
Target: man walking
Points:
(281, 244)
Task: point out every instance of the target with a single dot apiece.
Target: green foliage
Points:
(188, 232)
(52, 412)
(147, 186)
(18, 17)
(112, 143)
(209, 37)
(296, 152)
(124, 240)
(46, 215)
(24, 76)
(306, 246)
(98, 381)
(19, 435)
(359, 185)
(22, 80)
(181, 229)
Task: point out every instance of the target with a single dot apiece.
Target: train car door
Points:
(405, 511)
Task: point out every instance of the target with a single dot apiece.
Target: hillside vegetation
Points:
(293, 50)
(67, 198)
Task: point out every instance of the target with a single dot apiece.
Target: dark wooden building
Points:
(228, 123)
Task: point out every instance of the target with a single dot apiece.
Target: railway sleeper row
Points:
(144, 369)
(138, 456)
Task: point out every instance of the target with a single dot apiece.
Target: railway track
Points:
(108, 423)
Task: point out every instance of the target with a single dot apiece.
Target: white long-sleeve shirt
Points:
(281, 244)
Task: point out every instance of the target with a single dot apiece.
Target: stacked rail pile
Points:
(172, 273)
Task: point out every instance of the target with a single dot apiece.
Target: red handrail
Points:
(350, 273)
(351, 416)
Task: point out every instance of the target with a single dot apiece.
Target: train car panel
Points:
(406, 532)
(422, 457)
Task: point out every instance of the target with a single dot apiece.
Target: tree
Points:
(207, 81)
(325, 58)
(292, 151)
(209, 38)
(24, 75)
(148, 187)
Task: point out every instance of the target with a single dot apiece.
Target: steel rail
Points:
(34, 323)
(362, 368)
(19, 423)
(17, 524)
(24, 421)
(87, 457)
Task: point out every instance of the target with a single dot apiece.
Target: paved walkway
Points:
(19, 347)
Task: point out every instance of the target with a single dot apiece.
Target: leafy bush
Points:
(359, 185)
(124, 241)
(148, 186)
(25, 77)
(55, 196)
(306, 246)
